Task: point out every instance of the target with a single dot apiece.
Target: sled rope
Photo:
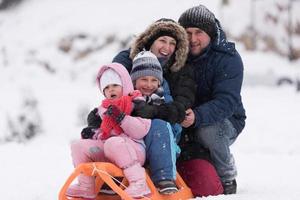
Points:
(96, 170)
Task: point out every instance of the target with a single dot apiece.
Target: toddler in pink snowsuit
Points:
(119, 139)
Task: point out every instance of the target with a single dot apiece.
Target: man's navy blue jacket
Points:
(219, 76)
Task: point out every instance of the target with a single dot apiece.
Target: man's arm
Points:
(226, 95)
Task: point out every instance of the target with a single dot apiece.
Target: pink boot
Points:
(85, 188)
(137, 181)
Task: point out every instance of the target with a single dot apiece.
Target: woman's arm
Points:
(183, 90)
(124, 59)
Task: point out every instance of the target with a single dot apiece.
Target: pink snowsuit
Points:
(126, 150)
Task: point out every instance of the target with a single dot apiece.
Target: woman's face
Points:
(163, 46)
(147, 85)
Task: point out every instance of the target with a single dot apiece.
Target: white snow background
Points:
(63, 87)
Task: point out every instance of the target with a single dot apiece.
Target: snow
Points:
(267, 152)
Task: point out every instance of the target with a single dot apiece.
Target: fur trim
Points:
(153, 30)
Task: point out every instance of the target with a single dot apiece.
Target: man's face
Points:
(198, 40)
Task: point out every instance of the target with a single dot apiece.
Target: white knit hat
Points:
(109, 77)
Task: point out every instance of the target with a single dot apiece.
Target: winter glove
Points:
(172, 112)
(115, 114)
(142, 109)
(88, 132)
(93, 118)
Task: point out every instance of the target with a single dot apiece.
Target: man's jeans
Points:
(217, 138)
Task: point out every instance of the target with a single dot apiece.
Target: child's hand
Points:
(114, 113)
(88, 132)
(93, 118)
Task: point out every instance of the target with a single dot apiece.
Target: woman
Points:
(168, 41)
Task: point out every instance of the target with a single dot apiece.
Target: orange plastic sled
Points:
(104, 173)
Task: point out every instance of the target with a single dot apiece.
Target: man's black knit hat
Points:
(199, 17)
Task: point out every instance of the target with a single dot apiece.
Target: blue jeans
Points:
(217, 138)
(161, 151)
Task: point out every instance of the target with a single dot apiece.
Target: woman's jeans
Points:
(161, 151)
(217, 138)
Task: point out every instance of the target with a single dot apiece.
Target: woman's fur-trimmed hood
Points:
(157, 29)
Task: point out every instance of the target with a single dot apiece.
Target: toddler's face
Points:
(147, 85)
(113, 91)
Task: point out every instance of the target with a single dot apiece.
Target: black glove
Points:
(144, 110)
(88, 132)
(93, 118)
(114, 113)
(172, 112)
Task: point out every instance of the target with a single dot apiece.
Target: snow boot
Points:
(166, 187)
(229, 187)
(85, 188)
(136, 177)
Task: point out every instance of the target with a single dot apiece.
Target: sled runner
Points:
(104, 173)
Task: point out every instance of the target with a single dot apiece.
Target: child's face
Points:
(147, 85)
(163, 46)
(113, 91)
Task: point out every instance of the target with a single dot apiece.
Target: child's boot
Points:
(85, 188)
(136, 177)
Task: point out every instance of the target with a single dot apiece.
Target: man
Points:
(218, 115)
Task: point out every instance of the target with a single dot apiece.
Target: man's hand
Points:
(189, 118)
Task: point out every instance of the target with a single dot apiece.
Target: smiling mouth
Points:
(162, 54)
(147, 92)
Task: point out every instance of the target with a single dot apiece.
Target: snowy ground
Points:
(267, 152)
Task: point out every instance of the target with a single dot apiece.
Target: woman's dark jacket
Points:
(178, 75)
(182, 86)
